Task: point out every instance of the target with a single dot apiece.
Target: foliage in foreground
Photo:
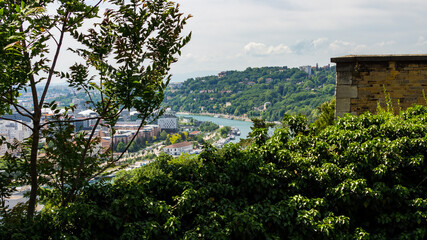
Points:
(361, 178)
(122, 61)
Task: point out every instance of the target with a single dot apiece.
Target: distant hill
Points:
(267, 92)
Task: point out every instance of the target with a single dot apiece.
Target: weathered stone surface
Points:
(364, 80)
(345, 67)
(346, 91)
(344, 78)
(343, 105)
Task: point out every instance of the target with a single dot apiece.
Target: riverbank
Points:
(220, 115)
(241, 124)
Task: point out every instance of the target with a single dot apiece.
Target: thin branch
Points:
(55, 59)
(57, 27)
(62, 184)
(56, 182)
(69, 121)
(50, 34)
(79, 170)
(88, 93)
(106, 105)
(85, 119)
(32, 80)
(421, 182)
(85, 15)
(130, 142)
(16, 106)
(23, 114)
(17, 121)
(118, 112)
(112, 143)
(121, 155)
(101, 85)
(53, 37)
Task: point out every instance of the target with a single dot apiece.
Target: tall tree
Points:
(326, 116)
(124, 58)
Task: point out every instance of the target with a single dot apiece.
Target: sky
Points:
(236, 34)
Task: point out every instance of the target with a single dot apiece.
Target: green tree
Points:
(167, 141)
(124, 58)
(199, 139)
(326, 116)
(175, 138)
(121, 146)
(224, 131)
(163, 135)
(259, 133)
(133, 147)
(208, 126)
(184, 136)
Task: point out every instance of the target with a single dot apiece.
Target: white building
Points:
(87, 114)
(12, 131)
(3, 147)
(168, 122)
(306, 69)
(178, 148)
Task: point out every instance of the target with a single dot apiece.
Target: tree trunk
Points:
(33, 169)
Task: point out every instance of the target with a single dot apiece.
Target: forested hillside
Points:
(269, 92)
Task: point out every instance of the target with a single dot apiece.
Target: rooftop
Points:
(179, 145)
(380, 58)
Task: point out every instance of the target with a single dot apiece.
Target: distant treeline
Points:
(267, 92)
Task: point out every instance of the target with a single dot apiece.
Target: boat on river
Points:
(235, 131)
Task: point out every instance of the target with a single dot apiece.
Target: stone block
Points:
(346, 91)
(342, 105)
(345, 67)
(344, 78)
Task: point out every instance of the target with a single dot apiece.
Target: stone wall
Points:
(362, 81)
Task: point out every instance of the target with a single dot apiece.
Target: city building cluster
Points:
(84, 120)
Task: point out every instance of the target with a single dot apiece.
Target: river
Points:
(244, 127)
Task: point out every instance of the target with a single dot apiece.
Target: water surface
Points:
(244, 127)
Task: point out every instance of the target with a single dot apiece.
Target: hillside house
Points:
(178, 148)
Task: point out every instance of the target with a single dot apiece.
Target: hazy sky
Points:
(236, 34)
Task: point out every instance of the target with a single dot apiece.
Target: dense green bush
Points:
(362, 178)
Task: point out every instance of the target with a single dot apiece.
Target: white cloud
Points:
(295, 32)
(319, 42)
(344, 47)
(421, 41)
(260, 49)
(386, 43)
